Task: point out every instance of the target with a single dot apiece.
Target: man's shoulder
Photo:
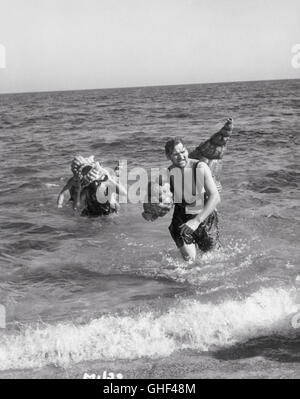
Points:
(172, 167)
(200, 164)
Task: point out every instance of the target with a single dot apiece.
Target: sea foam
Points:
(187, 325)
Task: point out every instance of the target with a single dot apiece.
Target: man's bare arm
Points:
(211, 189)
(81, 201)
(61, 197)
(204, 176)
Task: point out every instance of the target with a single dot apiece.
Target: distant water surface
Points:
(114, 290)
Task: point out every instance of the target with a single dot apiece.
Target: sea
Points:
(82, 296)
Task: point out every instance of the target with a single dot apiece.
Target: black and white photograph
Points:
(149, 207)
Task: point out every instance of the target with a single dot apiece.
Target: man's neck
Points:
(189, 164)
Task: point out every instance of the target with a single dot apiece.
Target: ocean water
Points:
(89, 295)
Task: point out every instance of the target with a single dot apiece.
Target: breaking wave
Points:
(187, 325)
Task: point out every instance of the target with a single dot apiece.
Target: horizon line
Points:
(146, 86)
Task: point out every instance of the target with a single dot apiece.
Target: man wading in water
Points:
(195, 219)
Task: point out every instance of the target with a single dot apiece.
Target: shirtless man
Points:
(80, 168)
(195, 220)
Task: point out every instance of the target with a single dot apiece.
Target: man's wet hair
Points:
(171, 144)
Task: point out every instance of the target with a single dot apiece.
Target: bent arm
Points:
(61, 196)
(81, 201)
(77, 200)
(211, 189)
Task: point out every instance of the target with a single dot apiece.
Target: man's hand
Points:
(189, 227)
(96, 173)
(103, 172)
(60, 201)
(93, 175)
(77, 162)
(80, 161)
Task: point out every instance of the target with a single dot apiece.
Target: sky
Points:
(89, 44)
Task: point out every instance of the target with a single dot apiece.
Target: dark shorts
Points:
(206, 236)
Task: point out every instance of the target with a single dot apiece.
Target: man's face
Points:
(179, 156)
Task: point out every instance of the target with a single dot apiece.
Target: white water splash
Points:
(189, 324)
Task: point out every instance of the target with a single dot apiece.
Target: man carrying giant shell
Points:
(193, 187)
